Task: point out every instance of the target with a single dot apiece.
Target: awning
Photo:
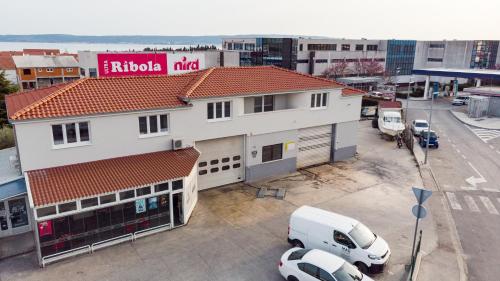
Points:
(12, 189)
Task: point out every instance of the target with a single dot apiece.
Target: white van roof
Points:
(334, 220)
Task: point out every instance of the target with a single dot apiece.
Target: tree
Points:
(336, 70)
(372, 67)
(359, 68)
(497, 67)
(6, 87)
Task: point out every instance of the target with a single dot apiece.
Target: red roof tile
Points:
(107, 95)
(67, 183)
(7, 63)
(352, 91)
(21, 100)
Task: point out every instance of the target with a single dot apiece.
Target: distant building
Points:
(7, 64)
(39, 71)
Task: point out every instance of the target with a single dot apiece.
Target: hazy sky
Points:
(384, 19)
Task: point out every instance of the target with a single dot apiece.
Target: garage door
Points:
(221, 162)
(314, 146)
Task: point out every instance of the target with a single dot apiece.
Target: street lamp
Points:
(429, 130)
(408, 98)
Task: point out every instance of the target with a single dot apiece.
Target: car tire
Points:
(362, 267)
(437, 146)
(292, 278)
(297, 243)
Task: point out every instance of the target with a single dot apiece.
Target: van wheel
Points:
(297, 243)
(362, 267)
(292, 278)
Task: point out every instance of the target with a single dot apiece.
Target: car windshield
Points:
(348, 272)
(433, 135)
(363, 236)
(392, 119)
(421, 125)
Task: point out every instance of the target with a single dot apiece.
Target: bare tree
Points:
(372, 67)
(336, 70)
(359, 67)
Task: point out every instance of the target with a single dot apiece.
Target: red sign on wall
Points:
(138, 64)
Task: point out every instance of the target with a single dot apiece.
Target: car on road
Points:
(313, 228)
(419, 125)
(461, 100)
(431, 136)
(299, 264)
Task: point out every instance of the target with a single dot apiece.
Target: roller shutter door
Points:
(221, 162)
(315, 145)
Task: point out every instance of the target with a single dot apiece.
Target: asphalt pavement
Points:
(467, 166)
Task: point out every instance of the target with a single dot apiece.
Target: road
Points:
(467, 166)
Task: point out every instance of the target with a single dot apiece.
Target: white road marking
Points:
(463, 156)
(469, 188)
(490, 189)
(484, 134)
(458, 150)
(471, 204)
(475, 170)
(454, 201)
(488, 205)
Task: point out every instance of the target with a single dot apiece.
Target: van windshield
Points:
(363, 236)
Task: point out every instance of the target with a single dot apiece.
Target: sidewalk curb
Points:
(469, 124)
(462, 265)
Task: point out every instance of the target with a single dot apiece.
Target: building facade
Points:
(177, 135)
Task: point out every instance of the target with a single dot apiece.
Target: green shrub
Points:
(6, 137)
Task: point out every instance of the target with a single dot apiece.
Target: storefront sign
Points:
(131, 64)
(185, 62)
(44, 228)
(140, 206)
(153, 203)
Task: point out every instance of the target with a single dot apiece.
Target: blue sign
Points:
(419, 215)
(140, 206)
(435, 88)
(421, 194)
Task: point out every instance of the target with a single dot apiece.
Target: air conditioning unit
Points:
(177, 144)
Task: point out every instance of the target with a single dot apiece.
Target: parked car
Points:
(460, 100)
(419, 125)
(299, 264)
(432, 136)
(313, 228)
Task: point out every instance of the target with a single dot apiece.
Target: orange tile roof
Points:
(107, 95)
(7, 63)
(21, 100)
(352, 91)
(390, 104)
(72, 182)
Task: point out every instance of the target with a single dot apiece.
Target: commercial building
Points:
(39, 71)
(120, 64)
(108, 160)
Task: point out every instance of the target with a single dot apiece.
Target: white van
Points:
(313, 228)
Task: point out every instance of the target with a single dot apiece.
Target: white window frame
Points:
(158, 123)
(223, 118)
(65, 143)
(49, 69)
(321, 106)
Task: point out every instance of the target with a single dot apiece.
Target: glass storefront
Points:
(70, 232)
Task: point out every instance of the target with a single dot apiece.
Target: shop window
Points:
(47, 211)
(176, 185)
(90, 221)
(202, 164)
(214, 162)
(107, 198)
(116, 214)
(104, 217)
(153, 124)
(164, 209)
(272, 152)
(76, 223)
(225, 159)
(224, 168)
(66, 207)
(161, 187)
(214, 170)
(237, 165)
(61, 227)
(236, 158)
(143, 191)
(202, 172)
(91, 202)
(127, 194)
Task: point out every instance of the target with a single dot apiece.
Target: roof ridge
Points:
(47, 98)
(200, 80)
(307, 75)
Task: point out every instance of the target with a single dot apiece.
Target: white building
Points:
(133, 153)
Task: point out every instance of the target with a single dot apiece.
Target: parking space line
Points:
(488, 205)
(471, 204)
(454, 201)
(463, 156)
(458, 151)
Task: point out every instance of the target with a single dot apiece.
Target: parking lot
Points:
(232, 235)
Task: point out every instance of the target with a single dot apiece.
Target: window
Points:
(238, 46)
(107, 198)
(225, 159)
(127, 194)
(318, 100)
(264, 103)
(69, 69)
(321, 61)
(92, 72)
(229, 46)
(303, 61)
(87, 203)
(236, 158)
(346, 47)
(161, 187)
(325, 276)
(272, 152)
(176, 185)
(435, 59)
(342, 239)
(214, 170)
(225, 167)
(372, 47)
(202, 172)
(360, 47)
(322, 47)
(26, 71)
(82, 71)
(66, 207)
(202, 164)
(153, 124)
(297, 255)
(49, 69)
(70, 133)
(301, 47)
(214, 162)
(249, 47)
(219, 110)
(309, 269)
(143, 191)
(437, 45)
(47, 211)
(236, 166)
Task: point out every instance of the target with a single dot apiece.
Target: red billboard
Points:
(133, 64)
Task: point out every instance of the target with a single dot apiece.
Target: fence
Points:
(408, 138)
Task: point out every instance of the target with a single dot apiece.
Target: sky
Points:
(372, 19)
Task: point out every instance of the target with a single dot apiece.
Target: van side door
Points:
(319, 238)
(342, 246)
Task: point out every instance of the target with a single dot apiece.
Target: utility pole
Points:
(408, 99)
(429, 131)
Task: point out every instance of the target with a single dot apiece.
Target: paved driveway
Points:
(234, 236)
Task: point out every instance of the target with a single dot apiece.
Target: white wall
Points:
(256, 142)
(346, 134)
(118, 135)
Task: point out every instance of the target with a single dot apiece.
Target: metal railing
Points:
(111, 241)
(152, 230)
(66, 254)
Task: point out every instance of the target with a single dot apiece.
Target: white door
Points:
(221, 162)
(315, 145)
(14, 216)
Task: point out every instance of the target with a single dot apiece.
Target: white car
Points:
(460, 100)
(313, 228)
(418, 126)
(299, 264)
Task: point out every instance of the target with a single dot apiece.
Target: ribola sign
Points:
(133, 64)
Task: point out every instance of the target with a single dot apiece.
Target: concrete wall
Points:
(346, 139)
(116, 135)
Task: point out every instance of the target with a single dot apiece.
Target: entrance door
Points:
(315, 145)
(14, 217)
(4, 224)
(178, 209)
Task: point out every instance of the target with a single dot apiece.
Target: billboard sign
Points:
(131, 64)
(179, 63)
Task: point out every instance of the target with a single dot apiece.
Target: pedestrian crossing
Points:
(473, 204)
(485, 134)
